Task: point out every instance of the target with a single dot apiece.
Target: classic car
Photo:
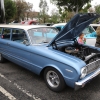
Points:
(89, 32)
(95, 26)
(55, 55)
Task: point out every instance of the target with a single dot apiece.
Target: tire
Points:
(2, 59)
(54, 79)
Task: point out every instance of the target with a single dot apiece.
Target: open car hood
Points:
(74, 27)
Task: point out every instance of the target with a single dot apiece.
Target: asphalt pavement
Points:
(17, 83)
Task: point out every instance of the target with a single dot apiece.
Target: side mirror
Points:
(26, 42)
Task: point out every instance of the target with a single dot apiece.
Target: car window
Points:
(59, 28)
(89, 32)
(95, 27)
(0, 31)
(6, 33)
(42, 35)
(19, 35)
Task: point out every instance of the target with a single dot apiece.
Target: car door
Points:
(4, 41)
(19, 49)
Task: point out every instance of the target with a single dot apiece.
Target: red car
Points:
(31, 22)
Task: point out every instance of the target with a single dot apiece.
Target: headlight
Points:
(83, 72)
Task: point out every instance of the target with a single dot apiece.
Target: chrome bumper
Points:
(82, 83)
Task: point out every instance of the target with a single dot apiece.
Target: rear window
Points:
(6, 33)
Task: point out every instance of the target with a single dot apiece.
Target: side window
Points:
(19, 35)
(59, 28)
(6, 33)
(0, 32)
(89, 32)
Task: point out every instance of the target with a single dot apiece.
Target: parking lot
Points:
(17, 83)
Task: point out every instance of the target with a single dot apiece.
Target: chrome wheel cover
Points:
(53, 79)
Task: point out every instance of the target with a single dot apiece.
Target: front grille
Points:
(93, 66)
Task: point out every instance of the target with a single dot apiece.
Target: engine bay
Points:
(79, 52)
(84, 52)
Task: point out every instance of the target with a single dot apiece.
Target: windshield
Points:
(88, 30)
(42, 35)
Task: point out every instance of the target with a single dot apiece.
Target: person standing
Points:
(81, 39)
(97, 44)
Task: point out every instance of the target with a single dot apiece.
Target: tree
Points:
(55, 17)
(23, 9)
(2, 12)
(97, 10)
(71, 5)
(10, 9)
(63, 14)
(43, 9)
(86, 8)
(28, 9)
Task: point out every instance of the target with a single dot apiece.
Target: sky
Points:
(36, 5)
(51, 6)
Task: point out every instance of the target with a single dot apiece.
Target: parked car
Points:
(90, 35)
(89, 31)
(59, 26)
(30, 22)
(57, 56)
(46, 24)
(95, 26)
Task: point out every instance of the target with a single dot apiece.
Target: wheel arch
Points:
(42, 71)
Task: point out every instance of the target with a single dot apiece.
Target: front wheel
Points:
(54, 79)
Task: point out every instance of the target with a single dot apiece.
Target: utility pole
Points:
(2, 12)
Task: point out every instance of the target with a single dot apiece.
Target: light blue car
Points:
(90, 33)
(55, 55)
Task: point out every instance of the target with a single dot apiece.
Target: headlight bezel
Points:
(83, 72)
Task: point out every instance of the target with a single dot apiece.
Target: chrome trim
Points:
(69, 70)
(82, 72)
(82, 82)
(93, 66)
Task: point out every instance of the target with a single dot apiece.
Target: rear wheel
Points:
(2, 59)
(54, 79)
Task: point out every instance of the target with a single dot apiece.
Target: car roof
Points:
(95, 25)
(25, 27)
(58, 24)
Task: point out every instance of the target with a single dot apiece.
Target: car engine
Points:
(86, 53)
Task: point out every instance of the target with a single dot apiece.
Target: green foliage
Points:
(43, 10)
(23, 9)
(71, 5)
(63, 14)
(85, 9)
(10, 9)
(55, 17)
(97, 9)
